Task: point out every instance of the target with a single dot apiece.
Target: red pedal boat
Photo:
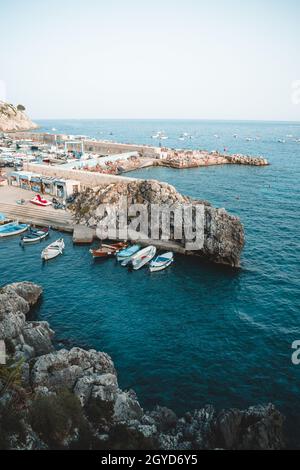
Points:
(39, 201)
(105, 251)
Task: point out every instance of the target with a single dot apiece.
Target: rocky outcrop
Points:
(246, 160)
(13, 118)
(71, 399)
(23, 339)
(223, 233)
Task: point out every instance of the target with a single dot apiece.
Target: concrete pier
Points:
(83, 235)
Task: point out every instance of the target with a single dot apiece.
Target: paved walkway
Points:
(28, 213)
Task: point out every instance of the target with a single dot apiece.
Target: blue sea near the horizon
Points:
(196, 333)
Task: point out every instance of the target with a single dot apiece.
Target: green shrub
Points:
(98, 411)
(54, 417)
(11, 423)
(125, 438)
(20, 107)
(11, 375)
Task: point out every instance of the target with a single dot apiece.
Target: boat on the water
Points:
(39, 201)
(105, 251)
(142, 257)
(53, 250)
(35, 235)
(161, 262)
(12, 228)
(128, 252)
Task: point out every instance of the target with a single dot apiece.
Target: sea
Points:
(197, 333)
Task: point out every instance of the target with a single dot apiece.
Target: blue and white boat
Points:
(12, 228)
(35, 235)
(127, 253)
(161, 262)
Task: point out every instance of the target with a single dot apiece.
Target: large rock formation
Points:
(223, 233)
(71, 399)
(13, 118)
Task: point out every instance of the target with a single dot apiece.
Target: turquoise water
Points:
(196, 333)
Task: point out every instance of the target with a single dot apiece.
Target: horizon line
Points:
(164, 119)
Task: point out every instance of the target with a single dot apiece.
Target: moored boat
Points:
(35, 235)
(53, 250)
(128, 252)
(161, 262)
(12, 228)
(39, 201)
(142, 257)
(105, 251)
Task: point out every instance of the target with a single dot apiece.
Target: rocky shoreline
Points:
(70, 399)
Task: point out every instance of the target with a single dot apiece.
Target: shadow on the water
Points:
(33, 314)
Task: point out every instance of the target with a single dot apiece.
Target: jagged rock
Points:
(103, 386)
(26, 339)
(38, 335)
(14, 119)
(63, 368)
(127, 407)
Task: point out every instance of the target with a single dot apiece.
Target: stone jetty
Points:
(71, 399)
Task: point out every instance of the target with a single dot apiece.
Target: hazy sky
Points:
(216, 59)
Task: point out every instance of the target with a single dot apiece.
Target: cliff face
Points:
(70, 399)
(13, 118)
(223, 233)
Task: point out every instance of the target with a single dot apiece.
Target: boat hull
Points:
(12, 233)
(53, 250)
(154, 269)
(143, 257)
(27, 240)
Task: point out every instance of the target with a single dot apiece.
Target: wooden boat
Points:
(161, 262)
(12, 228)
(128, 252)
(142, 257)
(105, 251)
(35, 235)
(39, 201)
(53, 250)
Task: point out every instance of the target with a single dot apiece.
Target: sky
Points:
(168, 59)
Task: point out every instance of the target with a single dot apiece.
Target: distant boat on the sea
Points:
(160, 135)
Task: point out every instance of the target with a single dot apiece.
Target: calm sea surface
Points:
(196, 333)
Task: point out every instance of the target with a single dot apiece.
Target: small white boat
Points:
(143, 257)
(53, 250)
(161, 262)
